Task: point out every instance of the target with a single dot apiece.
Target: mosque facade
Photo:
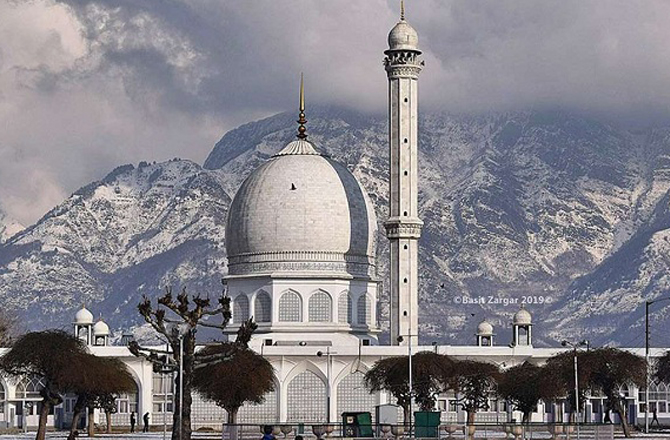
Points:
(300, 242)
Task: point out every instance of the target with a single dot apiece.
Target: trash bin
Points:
(357, 424)
(426, 423)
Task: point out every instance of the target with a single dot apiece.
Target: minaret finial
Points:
(301, 116)
(402, 10)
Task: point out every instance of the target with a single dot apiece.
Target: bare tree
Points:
(51, 355)
(179, 328)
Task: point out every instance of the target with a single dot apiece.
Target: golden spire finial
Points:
(402, 10)
(301, 116)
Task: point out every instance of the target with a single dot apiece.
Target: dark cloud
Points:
(86, 85)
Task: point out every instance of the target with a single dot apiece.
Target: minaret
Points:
(403, 228)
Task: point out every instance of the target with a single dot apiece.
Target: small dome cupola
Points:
(100, 329)
(83, 317)
(100, 333)
(522, 317)
(403, 36)
(484, 334)
(83, 325)
(522, 324)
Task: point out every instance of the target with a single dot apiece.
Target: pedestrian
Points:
(655, 418)
(133, 420)
(267, 433)
(146, 422)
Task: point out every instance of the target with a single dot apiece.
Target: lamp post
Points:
(411, 391)
(574, 348)
(646, 357)
(329, 372)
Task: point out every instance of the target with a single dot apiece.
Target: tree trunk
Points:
(44, 414)
(91, 423)
(232, 423)
(620, 410)
(49, 400)
(526, 418)
(108, 416)
(471, 416)
(79, 407)
(188, 364)
(405, 415)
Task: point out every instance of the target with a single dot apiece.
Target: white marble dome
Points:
(83, 317)
(403, 37)
(100, 329)
(301, 212)
(522, 317)
(484, 329)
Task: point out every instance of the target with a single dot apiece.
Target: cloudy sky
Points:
(88, 85)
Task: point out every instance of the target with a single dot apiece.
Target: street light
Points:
(329, 371)
(411, 391)
(648, 303)
(574, 347)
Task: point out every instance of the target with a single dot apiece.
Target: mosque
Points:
(300, 242)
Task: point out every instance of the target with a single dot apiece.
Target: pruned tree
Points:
(430, 374)
(101, 381)
(603, 369)
(179, 327)
(474, 383)
(52, 356)
(246, 377)
(525, 385)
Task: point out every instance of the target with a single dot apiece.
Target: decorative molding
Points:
(310, 261)
(403, 230)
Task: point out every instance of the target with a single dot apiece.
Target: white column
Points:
(403, 228)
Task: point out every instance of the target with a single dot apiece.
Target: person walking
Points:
(146, 422)
(133, 420)
(655, 418)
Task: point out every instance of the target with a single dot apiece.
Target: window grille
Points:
(240, 308)
(306, 399)
(364, 310)
(353, 396)
(263, 307)
(290, 307)
(320, 307)
(345, 309)
(262, 413)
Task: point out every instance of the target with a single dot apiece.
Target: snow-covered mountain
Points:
(116, 239)
(565, 213)
(8, 226)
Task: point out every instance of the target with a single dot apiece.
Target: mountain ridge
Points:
(517, 206)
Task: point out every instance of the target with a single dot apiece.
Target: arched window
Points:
(353, 396)
(345, 309)
(29, 388)
(306, 398)
(364, 309)
(290, 307)
(320, 307)
(263, 307)
(240, 308)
